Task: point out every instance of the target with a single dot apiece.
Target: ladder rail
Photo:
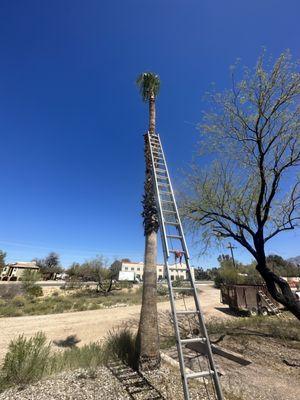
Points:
(175, 204)
(154, 141)
(165, 244)
(172, 301)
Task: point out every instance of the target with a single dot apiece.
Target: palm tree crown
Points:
(149, 84)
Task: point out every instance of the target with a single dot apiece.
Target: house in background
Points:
(14, 271)
(177, 271)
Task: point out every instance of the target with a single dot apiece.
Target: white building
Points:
(14, 271)
(176, 270)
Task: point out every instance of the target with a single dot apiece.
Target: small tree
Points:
(94, 270)
(251, 191)
(49, 266)
(115, 268)
(2, 259)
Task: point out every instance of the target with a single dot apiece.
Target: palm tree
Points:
(148, 356)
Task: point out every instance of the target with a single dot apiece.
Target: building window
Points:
(172, 277)
(132, 269)
(160, 276)
(138, 268)
(126, 268)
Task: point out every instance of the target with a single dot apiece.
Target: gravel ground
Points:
(117, 382)
(76, 385)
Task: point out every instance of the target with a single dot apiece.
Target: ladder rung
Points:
(167, 201)
(193, 340)
(182, 288)
(169, 211)
(187, 312)
(171, 223)
(174, 236)
(160, 170)
(163, 184)
(202, 374)
(162, 177)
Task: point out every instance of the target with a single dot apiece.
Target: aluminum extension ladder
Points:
(275, 310)
(171, 230)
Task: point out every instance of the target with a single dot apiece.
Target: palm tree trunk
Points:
(148, 337)
(152, 115)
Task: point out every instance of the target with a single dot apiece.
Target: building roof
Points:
(24, 264)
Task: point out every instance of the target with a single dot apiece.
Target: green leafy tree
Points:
(115, 268)
(282, 267)
(250, 193)
(148, 337)
(201, 274)
(94, 270)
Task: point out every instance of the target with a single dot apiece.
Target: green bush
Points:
(162, 290)
(29, 360)
(120, 344)
(26, 360)
(2, 302)
(88, 356)
(35, 291)
(272, 326)
(19, 301)
(31, 288)
(178, 281)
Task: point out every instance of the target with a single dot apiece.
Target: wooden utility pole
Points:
(231, 250)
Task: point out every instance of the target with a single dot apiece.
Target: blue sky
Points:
(71, 119)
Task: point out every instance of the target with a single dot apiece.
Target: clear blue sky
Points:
(71, 119)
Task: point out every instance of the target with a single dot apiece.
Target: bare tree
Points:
(250, 192)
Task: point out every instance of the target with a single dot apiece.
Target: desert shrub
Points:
(19, 301)
(35, 291)
(25, 360)
(2, 303)
(287, 329)
(55, 294)
(28, 360)
(125, 284)
(88, 356)
(9, 291)
(120, 344)
(72, 284)
(178, 281)
(162, 290)
(31, 288)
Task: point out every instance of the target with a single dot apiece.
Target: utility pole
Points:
(231, 250)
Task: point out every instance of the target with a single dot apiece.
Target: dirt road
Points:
(91, 326)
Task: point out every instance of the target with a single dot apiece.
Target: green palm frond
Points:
(149, 84)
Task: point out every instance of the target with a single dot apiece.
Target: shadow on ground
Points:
(70, 341)
(136, 385)
(227, 311)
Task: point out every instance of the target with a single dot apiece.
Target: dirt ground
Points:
(92, 326)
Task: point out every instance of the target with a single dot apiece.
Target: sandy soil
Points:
(91, 326)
